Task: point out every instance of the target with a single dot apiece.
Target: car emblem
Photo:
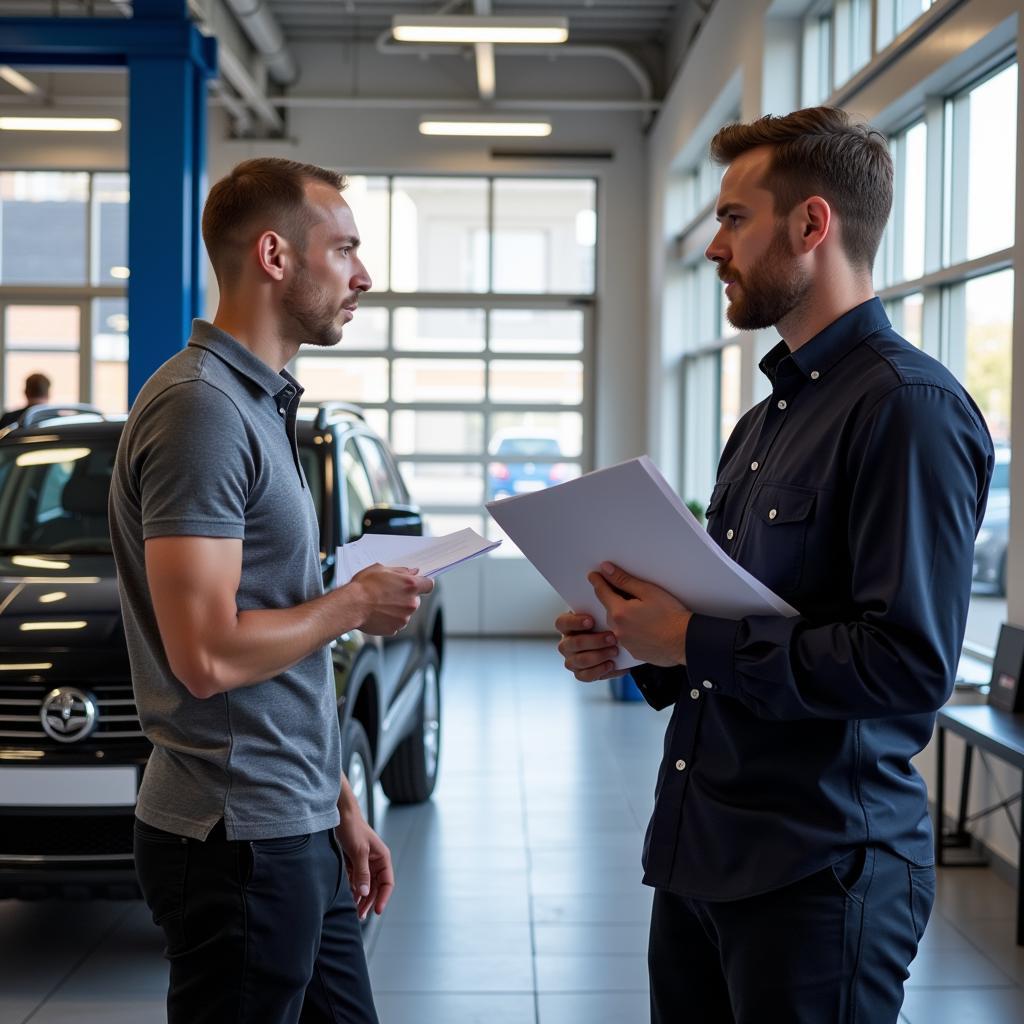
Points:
(68, 715)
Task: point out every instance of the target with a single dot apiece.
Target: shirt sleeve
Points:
(917, 475)
(660, 686)
(193, 463)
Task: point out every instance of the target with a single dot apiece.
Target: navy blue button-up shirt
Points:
(855, 492)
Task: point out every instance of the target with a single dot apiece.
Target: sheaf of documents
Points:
(431, 555)
(628, 514)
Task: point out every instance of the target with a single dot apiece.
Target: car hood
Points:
(62, 611)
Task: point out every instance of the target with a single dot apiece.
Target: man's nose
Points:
(716, 251)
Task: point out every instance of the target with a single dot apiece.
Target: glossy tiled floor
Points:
(519, 898)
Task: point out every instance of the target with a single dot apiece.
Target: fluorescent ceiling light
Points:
(19, 81)
(60, 124)
(520, 129)
(407, 28)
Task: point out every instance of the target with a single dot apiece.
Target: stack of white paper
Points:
(629, 515)
(431, 555)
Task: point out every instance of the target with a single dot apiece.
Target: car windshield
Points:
(53, 496)
(530, 447)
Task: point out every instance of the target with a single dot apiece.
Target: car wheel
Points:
(358, 761)
(409, 777)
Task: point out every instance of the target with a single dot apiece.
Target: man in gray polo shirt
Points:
(244, 813)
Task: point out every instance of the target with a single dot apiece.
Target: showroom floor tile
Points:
(519, 898)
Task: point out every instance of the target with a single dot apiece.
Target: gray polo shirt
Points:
(209, 450)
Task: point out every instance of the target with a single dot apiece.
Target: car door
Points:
(357, 496)
(405, 651)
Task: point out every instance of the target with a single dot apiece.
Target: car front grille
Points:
(20, 706)
(79, 838)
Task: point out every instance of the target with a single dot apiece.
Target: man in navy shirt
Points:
(790, 846)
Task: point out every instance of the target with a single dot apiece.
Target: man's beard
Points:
(771, 289)
(310, 306)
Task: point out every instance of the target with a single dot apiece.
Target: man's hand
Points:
(367, 858)
(648, 621)
(390, 597)
(588, 656)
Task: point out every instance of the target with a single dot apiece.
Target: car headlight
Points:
(984, 536)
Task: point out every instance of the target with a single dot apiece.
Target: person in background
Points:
(790, 848)
(37, 392)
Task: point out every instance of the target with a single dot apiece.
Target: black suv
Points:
(71, 749)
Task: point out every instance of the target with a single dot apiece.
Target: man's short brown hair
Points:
(262, 194)
(37, 385)
(822, 151)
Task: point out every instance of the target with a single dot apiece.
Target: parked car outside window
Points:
(990, 549)
(524, 461)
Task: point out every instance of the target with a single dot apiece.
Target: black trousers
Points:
(833, 948)
(261, 932)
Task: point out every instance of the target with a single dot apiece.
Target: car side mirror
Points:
(397, 520)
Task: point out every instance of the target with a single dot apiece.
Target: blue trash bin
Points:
(625, 688)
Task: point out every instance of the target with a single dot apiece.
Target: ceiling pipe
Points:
(417, 103)
(637, 71)
(263, 30)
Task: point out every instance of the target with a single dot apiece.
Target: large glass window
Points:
(65, 234)
(947, 285)
(895, 15)
(728, 391)
(474, 364)
(992, 161)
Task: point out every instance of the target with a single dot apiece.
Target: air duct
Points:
(260, 25)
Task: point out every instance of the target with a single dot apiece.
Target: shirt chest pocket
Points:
(781, 516)
(715, 512)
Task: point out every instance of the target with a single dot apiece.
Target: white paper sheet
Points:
(431, 555)
(628, 514)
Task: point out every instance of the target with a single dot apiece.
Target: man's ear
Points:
(272, 252)
(813, 223)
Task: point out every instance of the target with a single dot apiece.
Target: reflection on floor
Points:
(518, 900)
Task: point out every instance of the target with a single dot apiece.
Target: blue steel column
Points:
(167, 157)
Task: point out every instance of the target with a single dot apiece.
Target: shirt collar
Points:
(815, 358)
(240, 359)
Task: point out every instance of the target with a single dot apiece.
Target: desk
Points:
(999, 733)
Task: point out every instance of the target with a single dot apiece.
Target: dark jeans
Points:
(833, 948)
(261, 932)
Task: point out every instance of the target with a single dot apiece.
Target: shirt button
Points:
(815, 375)
(782, 403)
(774, 512)
(694, 694)
(729, 535)
(707, 684)
(680, 765)
(281, 411)
(754, 465)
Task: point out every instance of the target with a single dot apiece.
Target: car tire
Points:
(358, 762)
(411, 773)
(1001, 578)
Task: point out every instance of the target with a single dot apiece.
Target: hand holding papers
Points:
(629, 515)
(431, 555)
